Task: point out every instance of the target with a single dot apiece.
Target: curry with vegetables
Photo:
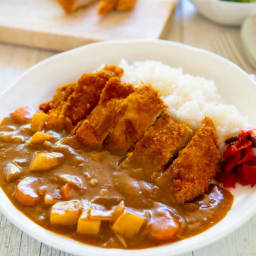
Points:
(106, 164)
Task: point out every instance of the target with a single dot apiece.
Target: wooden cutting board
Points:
(42, 23)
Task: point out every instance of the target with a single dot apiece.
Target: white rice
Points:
(189, 98)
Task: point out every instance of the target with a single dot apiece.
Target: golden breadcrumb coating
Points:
(73, 102)
(158, 145)
(67, 5)
(196, 164)
(106, 6)
(85, 96)
(72, 5)
(93, 131)
(115, 70)
(137, 113)
(61, 95)
(125, 5)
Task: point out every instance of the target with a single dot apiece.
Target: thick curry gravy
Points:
(99, 181)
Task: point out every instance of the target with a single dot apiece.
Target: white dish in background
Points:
(226, 13)
(248, 36)
(39, 83)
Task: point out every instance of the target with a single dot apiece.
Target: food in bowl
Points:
(239, 1)
(123, 158)
(105, 6)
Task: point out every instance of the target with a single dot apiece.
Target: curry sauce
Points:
(94, 178)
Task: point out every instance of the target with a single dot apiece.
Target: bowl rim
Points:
(238, 4)
(96, 251)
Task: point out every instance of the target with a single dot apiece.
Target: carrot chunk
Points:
(12, 172)
(67, 191)
(22, 115)
(163, 228)
(26, 194)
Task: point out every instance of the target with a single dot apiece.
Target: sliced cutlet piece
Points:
(106, 6)
(137, 113)
(125, 5)
(60, 97)
(196, 164)
(74, 102)
(114, 69)
(72, 5)
(158, 145)
(87, 94)
(93, 131)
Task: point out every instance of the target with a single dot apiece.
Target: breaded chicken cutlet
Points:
(93, 131)
(196, 164)
(106, 6)
(158, 145)
(72, 5)
(61, 95)
(86, 95)
(137, 113)
(74, 102)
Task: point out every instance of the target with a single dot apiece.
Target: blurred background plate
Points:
(225, 12)
(42, 23)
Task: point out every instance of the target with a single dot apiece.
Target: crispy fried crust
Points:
(73, 102)
(137, 113)
(72, 5)
(93, 131)
(61, 96)
(87, 93)
(67, 5)
(106, 6)
(114, 70)
(58, 122)
(158, 145)
(125, 5)
(85, 96)
(196, 164)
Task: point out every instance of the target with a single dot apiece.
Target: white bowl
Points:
(227, 13)
(40, 82)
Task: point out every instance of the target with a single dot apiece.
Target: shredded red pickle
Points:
(239, 160)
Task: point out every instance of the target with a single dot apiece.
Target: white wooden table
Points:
(188, 27)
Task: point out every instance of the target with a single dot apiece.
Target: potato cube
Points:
(3, 121)
(12, 172)
(40, 137)
(128, 224)
(86, 225)
(43, 161)
(73, 180)
(65, 213)
(49, 200)
(11, 138)
(47, 144)
(118, 210)
(38, 121)
(101, 214)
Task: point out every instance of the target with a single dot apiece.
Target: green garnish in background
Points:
(238, 1)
